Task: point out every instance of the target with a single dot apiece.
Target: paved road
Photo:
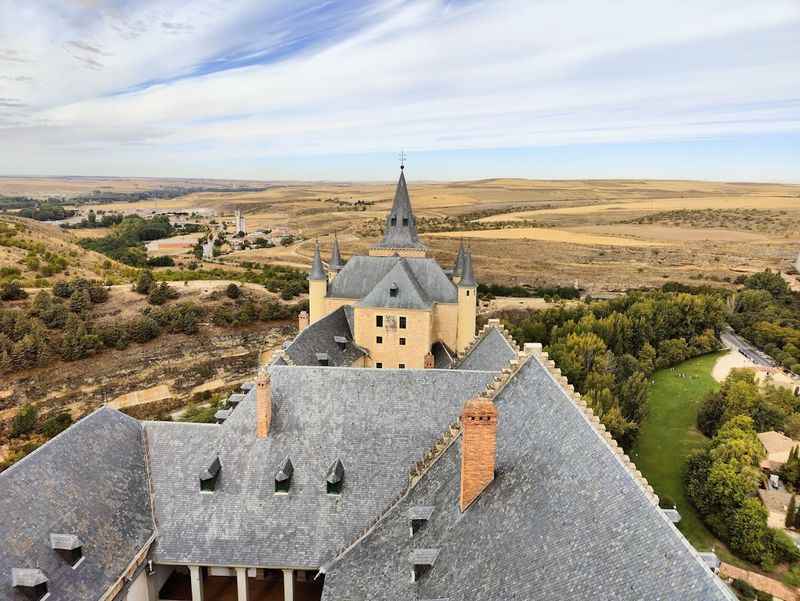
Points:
(737, 343)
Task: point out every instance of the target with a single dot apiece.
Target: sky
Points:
(310, 90)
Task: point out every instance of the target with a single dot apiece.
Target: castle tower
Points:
(240, 226)
(400, 231)
(458, 268)
(335, 264)
(478, 449)
(467, 305)
(317, 288)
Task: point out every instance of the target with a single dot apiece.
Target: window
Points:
(405, 220)
(379, 321)
(401, 366)
(394, 220)
(379, 365)
(283, 479)
(402, 342)
(402, 322)
(393, 290)
(467, 292)
(379, 339)
(335, 478)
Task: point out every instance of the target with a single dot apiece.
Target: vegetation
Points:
(668, 436)
(126, 241)
(488, 291)
(609, 349)
(767, 313)
(46, 212)
(286, 281)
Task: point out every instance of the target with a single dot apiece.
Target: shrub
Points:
(162, 261)
(24, 421)
(233, 291)
(144, 283)
(56, 423)
(743, 588)
(161, 293)
(11, 291)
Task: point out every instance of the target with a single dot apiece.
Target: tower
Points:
(317, 288)
(478, 448)
(400, 230)
(467, 305)
(458, 268)
(240, 226)
(335, 264)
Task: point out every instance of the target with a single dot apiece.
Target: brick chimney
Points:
(478, 448)
(428, 361)
(263, 403)
(302, 320)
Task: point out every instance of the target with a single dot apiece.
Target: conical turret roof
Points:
(400, 230)
(468, 277)
(458, 268)
(336, 262)
(317, 270)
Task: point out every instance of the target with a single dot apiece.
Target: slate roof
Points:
(320, 337)
(492, 352)
(378, 422)
(564, 520)
(468, 276)
(336, 262)
(90, 483)
(398, 289)
(400, 230)
(317, 270)
(362, 274)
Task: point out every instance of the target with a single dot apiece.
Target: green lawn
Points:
(668, 434)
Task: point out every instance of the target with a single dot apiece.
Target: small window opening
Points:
(402, 322)
(402, 342)
(467, 292)
(322, 358)
(417, 525)
(32, 583)
(420, 569)
(401, 366)
(283, 479)
(340, 341)
(335, 478)
(405, 220)
(394, 220)
(393, 290)
(379, 365)
(69, 547)
(422, 560)
(379, 339)
(379, 321)
(208, 476)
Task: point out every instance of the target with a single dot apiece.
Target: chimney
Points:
(428, 361)
(302, 320)
(478, 448)
(263, 404)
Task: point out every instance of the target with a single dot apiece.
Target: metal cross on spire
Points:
(402, 157)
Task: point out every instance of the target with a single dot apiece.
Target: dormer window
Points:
(340, 341)
(393, 290)
(405, 221)
(32, 583)
(69, 547)
(209, 475)
(422, 561)
(283, 479)
(394, 220)
(418, 516)
(334, 480)
(322, 358)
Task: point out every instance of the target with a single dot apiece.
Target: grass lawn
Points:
(668, 434)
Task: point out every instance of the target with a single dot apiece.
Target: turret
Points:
(335, 264)
(317, 288)
(467, 305)
(400, 230)
(458, 268)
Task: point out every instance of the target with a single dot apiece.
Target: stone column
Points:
(241, 584)
(288, 585)
(197, 582)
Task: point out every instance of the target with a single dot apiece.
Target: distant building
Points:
(777, 504)
(777, 446)
(240, 224)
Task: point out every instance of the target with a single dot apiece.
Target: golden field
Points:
(606, 235)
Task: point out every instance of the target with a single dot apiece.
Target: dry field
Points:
(606, 235)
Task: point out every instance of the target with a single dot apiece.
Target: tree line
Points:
(609, 349)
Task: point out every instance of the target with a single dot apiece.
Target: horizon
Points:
(321, 91)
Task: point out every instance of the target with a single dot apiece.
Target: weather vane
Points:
(402, 157)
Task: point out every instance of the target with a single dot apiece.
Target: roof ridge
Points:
(492, 324)
(535, 349)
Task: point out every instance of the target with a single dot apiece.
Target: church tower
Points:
(400, 231)
(467, 305)
(317, 288)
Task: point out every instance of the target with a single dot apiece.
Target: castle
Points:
(466, 468)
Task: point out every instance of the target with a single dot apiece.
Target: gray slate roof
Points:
(564, 520)
(400, 280)
(362, 274)
(492, 352)
(379, 422)
(317, 270)
(89, 482)
(320, 337)
(400, 230)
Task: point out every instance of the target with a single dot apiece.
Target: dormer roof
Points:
(335, 473)
(398, 289)
(285, 470)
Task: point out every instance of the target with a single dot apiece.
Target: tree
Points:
(161, 293)
(62, 289)
(145, 282)
(790, 513)
(56, 423)
(791, 426)
(11, 291)
(24, 421)
(233, 291)
(80, 302)
(790, 471)
(750, 534)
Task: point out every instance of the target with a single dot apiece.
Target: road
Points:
(733, 341)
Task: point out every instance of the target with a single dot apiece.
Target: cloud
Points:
(251, 80)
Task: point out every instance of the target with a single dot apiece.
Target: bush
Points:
(161, 293)
(11, 291)
(162, 261)
(24, 421)
(62, 289)
(56, 423)
(144, 282)
(743, 588)
(233, 291)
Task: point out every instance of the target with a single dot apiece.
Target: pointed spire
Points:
(468, 278)
(317, 270)
(458, 268)
(401, 225)
(336, 262)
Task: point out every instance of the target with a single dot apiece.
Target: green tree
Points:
(750, 534)
(144, 282)
(80, 302)
(233, 291)
(790, 513)
(56, 423)
(24, 421)
(11, 291)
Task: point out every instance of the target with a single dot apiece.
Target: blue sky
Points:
(333, 90)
